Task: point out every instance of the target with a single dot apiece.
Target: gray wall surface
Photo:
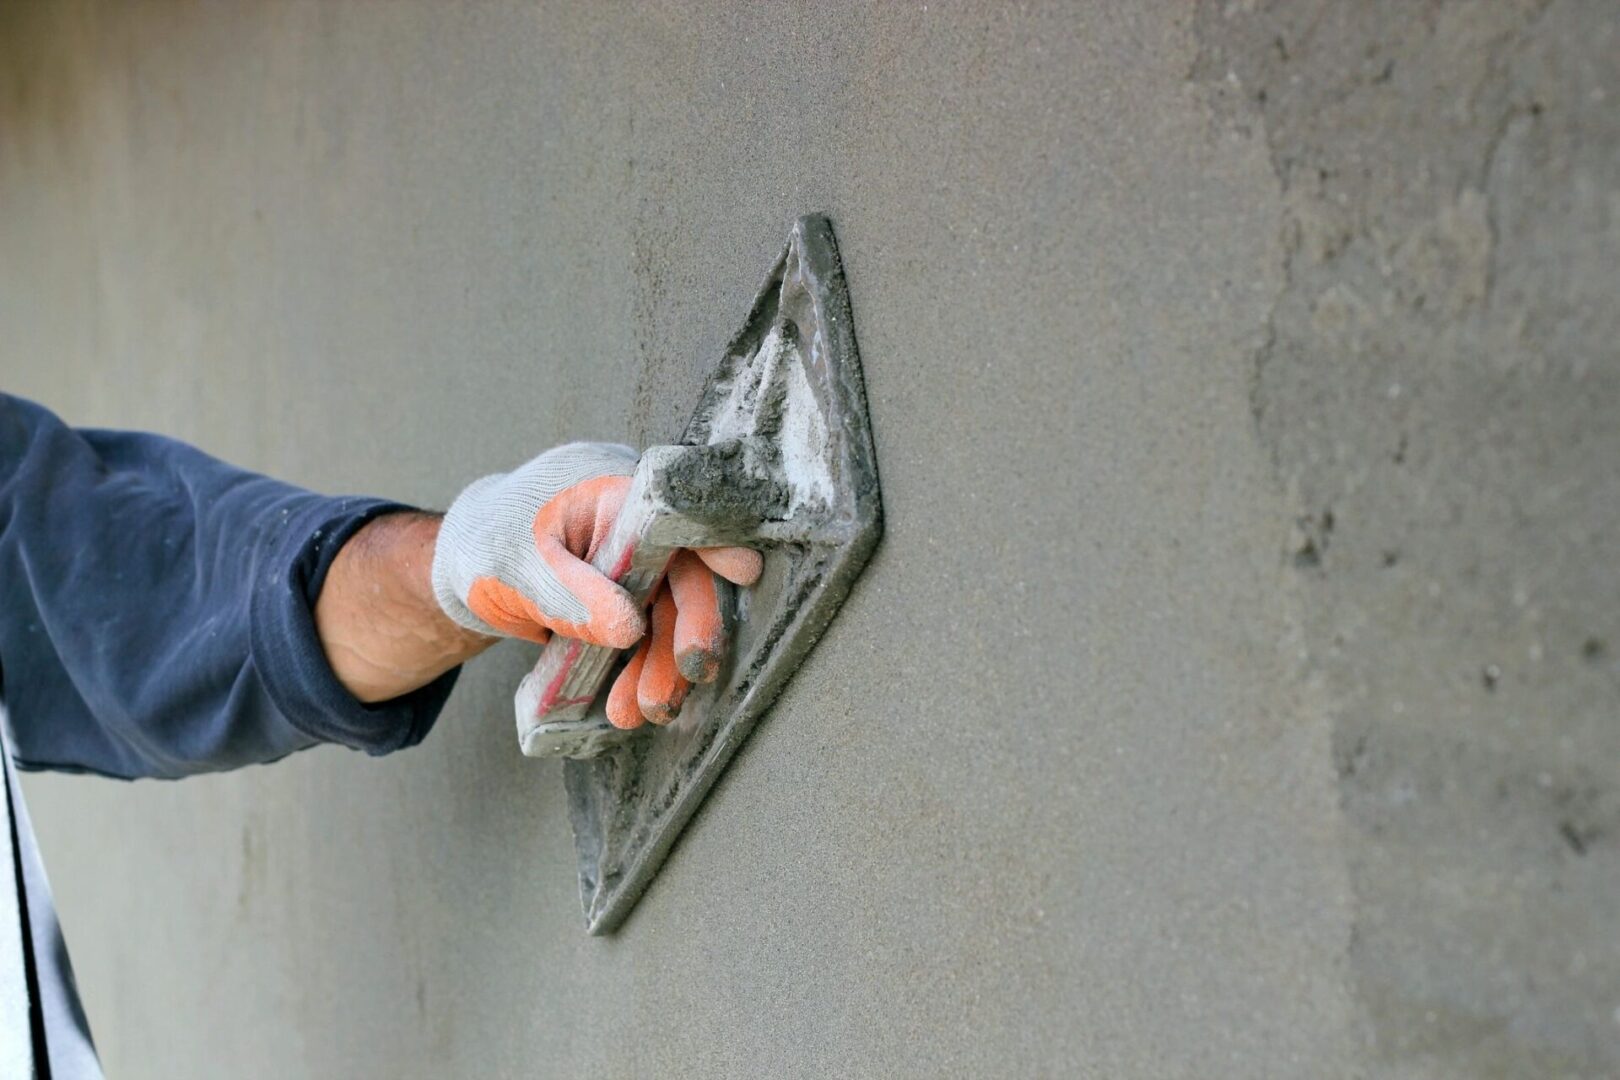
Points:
(1235, 692)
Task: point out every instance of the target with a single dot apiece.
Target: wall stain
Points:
(1450, 176)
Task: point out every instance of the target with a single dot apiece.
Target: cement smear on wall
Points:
(1440, 392)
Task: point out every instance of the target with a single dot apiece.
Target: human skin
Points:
(383, 632)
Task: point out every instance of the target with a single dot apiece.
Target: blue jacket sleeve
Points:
(155, 608)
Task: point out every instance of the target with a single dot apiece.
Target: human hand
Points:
(513, 558)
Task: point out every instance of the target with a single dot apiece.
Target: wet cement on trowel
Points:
(717, 487)
(784, 455)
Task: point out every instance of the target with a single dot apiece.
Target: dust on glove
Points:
(513, 559)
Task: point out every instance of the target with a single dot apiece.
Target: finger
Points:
(662, 687)
(506, 609)
(700, 633)
(623, 710)
(567, 531)
(738, 565)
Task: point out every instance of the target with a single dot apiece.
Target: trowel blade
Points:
(789, 382)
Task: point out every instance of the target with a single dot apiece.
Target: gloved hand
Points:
(512, 558)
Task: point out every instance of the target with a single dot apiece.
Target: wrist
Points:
(379, 622)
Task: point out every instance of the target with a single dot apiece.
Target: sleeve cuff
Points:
(287, 650)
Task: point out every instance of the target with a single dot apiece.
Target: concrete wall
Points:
(1234, 693)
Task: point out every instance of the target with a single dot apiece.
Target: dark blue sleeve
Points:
(155, 608)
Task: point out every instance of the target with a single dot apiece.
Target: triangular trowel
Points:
(778, 455)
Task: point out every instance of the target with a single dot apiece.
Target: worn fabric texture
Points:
(157, 608)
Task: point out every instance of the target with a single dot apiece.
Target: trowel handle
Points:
(569, 673)
(680, 496)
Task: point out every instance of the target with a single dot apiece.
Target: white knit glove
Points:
(513, 551)
(513, 558)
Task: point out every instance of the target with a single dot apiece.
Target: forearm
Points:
(158, 608)
(379, 624)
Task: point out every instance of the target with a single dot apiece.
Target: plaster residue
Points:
(778, 383)
(1438, 393)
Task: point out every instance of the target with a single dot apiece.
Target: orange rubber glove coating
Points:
(661, 689)
(577, 520)
(687, 639)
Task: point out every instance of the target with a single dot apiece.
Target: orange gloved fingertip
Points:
(661, 688)
(699, 639)
(698, 665)
(738, 565)
(663, 712)
(623, 710)
(625, 718)
(620, 630)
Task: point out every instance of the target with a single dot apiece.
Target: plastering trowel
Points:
(778, 456)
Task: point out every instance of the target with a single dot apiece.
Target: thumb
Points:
(577, 600)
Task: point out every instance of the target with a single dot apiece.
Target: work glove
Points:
(513, 559)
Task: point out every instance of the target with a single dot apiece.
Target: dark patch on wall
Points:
(1442, 368)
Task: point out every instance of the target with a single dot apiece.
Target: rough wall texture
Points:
(1234, 693)
(1439, 391)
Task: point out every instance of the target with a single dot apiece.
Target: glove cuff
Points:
(451, 550)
